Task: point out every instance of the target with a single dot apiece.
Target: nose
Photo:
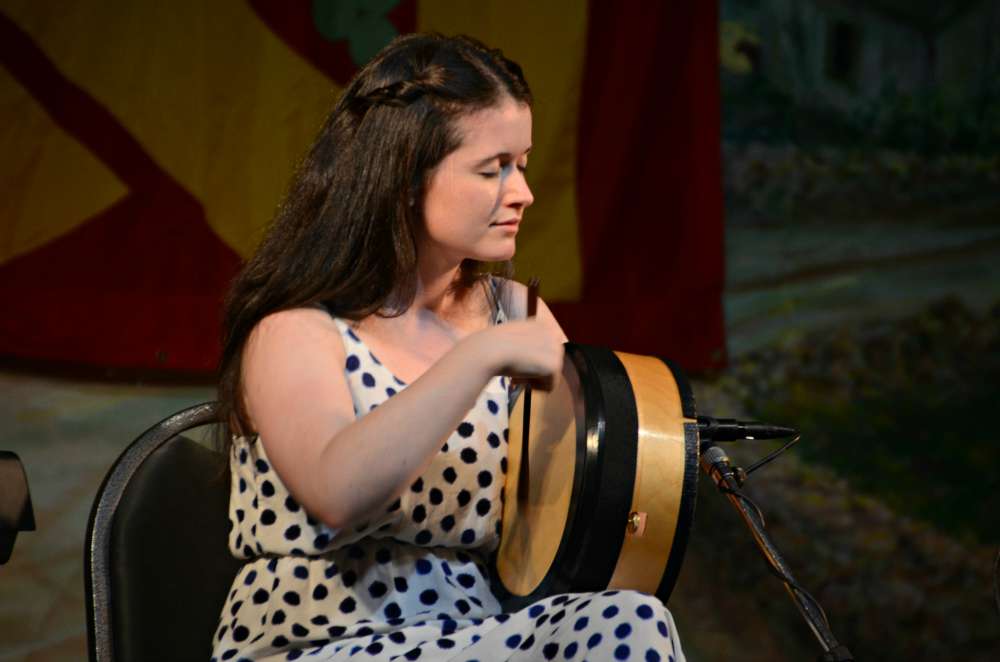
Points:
(518, 192)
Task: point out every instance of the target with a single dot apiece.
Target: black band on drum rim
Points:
(594, 535)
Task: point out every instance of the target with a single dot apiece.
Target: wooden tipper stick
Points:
(523, 473)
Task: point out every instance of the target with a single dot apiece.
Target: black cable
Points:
(738, 494)
(775, 570)
(759, 516)
(770, 457)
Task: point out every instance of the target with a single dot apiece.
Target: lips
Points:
(509, 223)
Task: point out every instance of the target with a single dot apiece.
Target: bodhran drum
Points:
(607, 497)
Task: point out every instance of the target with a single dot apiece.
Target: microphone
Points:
(730, 429)
(715, 463)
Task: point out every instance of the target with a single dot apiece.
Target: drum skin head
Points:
(534, 527)
(613, 443)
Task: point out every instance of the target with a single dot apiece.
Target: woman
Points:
(361, 378)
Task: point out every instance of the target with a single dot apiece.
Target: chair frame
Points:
(97, 564)
(16, 512)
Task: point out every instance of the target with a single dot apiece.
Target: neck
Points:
(435, 280)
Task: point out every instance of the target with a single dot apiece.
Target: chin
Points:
(498, 254)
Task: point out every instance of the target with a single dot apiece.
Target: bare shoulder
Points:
(285, 329)
(290, 346)
(301, 318)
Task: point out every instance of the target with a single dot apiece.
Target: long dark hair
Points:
(344, 237)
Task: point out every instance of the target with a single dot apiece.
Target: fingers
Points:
(542, 364)
(527, 351)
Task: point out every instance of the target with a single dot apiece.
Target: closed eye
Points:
(490, 174)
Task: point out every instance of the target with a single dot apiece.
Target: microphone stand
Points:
(715, 463)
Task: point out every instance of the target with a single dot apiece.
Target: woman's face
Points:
(477, 195)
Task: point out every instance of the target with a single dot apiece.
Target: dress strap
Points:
(499, 316)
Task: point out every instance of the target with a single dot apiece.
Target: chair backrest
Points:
(158, 566)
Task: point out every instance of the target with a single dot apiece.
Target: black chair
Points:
(158, 566)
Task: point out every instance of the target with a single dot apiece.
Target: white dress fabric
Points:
(411, 583)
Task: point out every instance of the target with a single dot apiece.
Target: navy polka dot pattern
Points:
(411, 583)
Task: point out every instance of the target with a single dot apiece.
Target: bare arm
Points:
(342, 469)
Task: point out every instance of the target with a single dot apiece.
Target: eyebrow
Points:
(498, 155)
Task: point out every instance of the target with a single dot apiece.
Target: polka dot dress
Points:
(411, 583)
